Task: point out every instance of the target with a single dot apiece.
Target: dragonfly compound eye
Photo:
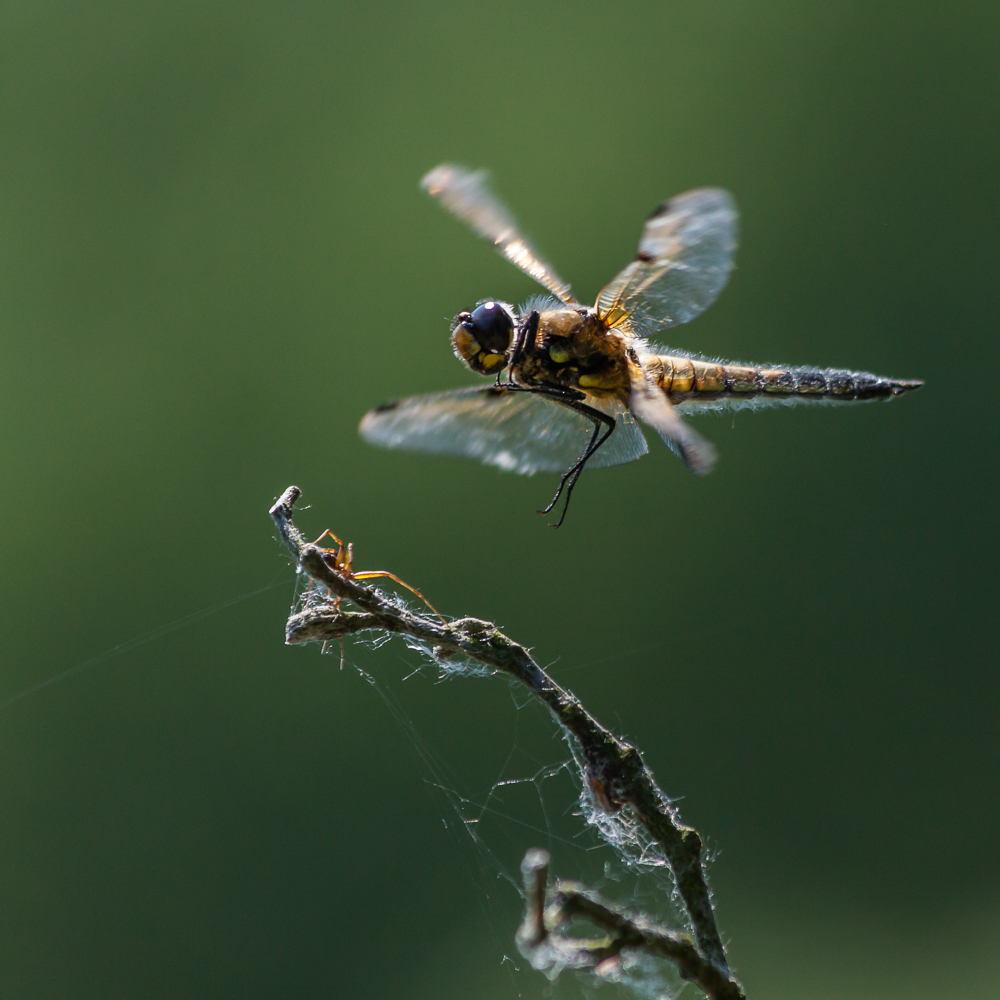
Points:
(482, 337)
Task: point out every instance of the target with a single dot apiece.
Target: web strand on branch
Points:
(619, 796)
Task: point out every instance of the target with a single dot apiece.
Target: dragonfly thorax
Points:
(573, 348)
(482, 338)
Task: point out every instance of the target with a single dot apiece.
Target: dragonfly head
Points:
(482, 338)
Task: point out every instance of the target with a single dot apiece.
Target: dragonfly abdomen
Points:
(699, 379)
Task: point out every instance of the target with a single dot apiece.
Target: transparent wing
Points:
(648, 402)
(685, 256)
(466, 194)
(515, 431)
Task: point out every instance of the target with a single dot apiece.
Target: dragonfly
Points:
(573, 382)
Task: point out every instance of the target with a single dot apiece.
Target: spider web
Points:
(533, 797)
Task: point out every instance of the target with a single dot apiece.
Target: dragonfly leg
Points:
(524, 340)
(573, 399)
(572, 474)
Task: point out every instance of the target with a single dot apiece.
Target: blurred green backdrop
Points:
(214, 258)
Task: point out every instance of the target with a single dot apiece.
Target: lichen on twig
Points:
(612, 769)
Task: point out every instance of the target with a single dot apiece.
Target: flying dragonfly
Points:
(570, 380)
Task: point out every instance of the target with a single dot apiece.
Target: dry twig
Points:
(550, 910)
(613, 768)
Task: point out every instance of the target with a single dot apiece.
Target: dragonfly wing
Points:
(685, 256)
(648, 402)
(466, 194)
(515, 431)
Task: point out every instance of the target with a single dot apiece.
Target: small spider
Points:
(341, 560)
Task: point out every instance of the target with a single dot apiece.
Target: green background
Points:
(214, 258)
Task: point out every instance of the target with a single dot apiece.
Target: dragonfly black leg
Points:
(572, 474)
(571, 398)
(524, 341)
(573, 471)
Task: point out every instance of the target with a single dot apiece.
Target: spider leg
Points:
(373, 574)
(329, 534)
(341, 555)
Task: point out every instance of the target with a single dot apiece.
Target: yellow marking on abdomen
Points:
(681, 375)
(741, 379)
(693, 378)
(709, 377)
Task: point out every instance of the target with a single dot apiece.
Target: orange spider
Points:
(342, 562)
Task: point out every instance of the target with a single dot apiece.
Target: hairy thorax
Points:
(574, 348)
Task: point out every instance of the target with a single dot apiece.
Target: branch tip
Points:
(284, 504)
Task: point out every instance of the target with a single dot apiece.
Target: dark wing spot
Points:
(645, 256)
(494, 390)
(387, 407)
(663, 209)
